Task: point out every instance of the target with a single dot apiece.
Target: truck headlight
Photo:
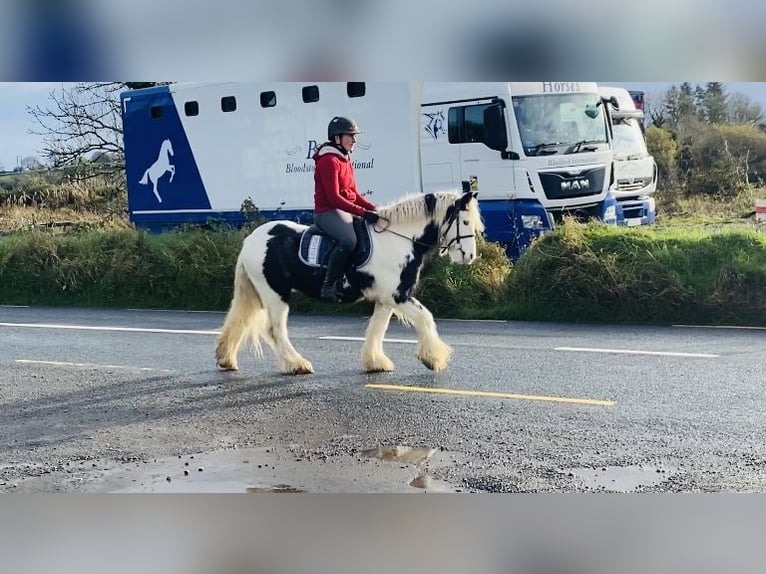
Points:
(532, 222)
(610, 213)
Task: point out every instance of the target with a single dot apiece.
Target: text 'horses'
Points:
(269, 268)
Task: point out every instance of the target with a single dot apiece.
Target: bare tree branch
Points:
(83, 121)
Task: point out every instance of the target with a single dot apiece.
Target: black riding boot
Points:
(336, 266)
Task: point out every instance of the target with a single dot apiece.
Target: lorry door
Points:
(440, 160)
(481, 169)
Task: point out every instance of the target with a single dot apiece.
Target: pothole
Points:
(620, 478)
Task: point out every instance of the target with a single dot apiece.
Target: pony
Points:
(155, 171)
(269, 267)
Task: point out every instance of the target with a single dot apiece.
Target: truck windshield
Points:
(558, 123)
(628, 139)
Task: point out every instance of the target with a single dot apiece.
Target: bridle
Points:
(454, 218)
(443, 248)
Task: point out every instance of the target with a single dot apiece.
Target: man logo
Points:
(575, 184)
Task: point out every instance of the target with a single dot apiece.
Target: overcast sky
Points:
(15, 122)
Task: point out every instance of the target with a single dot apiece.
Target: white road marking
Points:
(107, 328)
(472, 320)
(15, 306)
(173, 311)
(632, 352)
(326, 338)
(94, 365)
(745, 327)
(573, 349)
(408, 341)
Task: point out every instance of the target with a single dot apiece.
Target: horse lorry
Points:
(533, 151)
(635, 170)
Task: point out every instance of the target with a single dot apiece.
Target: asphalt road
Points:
(131, 401)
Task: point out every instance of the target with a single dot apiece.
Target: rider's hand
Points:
(371, 217)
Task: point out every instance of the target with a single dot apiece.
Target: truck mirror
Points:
(591, 111)
(495, 136)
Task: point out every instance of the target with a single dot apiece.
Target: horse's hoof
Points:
(227, 366)
(381, 366)
(301, 369)
(435, 364)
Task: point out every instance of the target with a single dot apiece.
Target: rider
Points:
(337, 200)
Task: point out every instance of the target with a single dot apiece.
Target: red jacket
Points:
(335, 185)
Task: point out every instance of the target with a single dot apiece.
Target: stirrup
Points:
(327, 294)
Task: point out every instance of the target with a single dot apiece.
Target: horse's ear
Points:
(467, 197)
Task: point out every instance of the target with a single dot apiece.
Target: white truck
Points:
(533, 151)
(635, 170)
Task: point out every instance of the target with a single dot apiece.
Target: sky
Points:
(16, 122)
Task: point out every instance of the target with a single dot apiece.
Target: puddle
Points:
(398, 453)
(278, 488)
(278, 470)
(620, 478)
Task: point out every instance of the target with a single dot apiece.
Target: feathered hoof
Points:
(436, 357)
(302, 367)
(378, 365)
(227, 366)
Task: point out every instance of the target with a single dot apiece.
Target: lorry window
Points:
(268, 99)
(465, 124)
(228, 104)
(155, 112)
(356, 89)
(560, 123)
(191, 108)
(628, 138)
(310, 94)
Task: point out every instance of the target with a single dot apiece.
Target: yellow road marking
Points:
(491, 394)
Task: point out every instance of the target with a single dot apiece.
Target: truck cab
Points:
(534, 152)
(635, 170)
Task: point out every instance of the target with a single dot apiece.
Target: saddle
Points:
(315, 245)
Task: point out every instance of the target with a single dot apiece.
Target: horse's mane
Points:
(418, 207)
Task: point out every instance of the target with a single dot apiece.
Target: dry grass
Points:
(21, 218)
(675, 208)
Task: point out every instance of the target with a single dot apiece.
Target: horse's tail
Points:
(246, 316)
(145, 179)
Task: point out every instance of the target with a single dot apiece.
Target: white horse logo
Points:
(159, 167)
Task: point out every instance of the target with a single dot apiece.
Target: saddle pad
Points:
(313, 248)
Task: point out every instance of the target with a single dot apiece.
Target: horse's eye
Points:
(465, 222)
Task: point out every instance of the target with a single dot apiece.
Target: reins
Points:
(454, 218)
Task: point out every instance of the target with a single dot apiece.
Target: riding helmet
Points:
(340, 125)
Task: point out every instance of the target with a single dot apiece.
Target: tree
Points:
(743, 110)
(664, 148)
(653, 109)
(686, 106)
(715, 103)
(670, 105)
(82, 120)
(699, 102)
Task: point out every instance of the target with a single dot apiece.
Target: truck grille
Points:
(630, 185)
(564, 183)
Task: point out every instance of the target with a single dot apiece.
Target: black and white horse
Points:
(271, 265)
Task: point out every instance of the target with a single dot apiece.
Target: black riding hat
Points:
(340, 125)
